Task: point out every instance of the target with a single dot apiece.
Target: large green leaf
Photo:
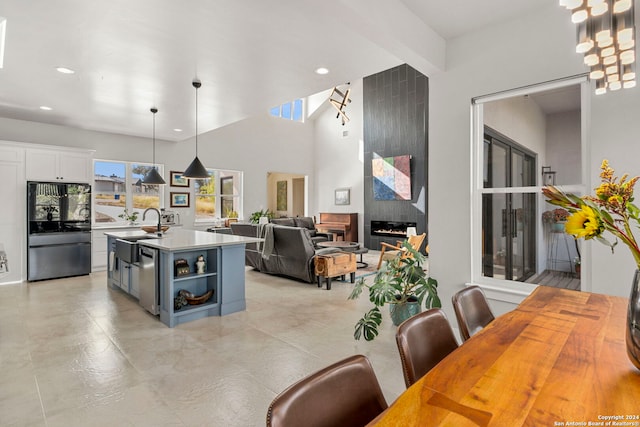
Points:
(357, 288)
(368, 325)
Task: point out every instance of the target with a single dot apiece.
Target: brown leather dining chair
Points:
(423, 341)
(472, 311)
(346, 393)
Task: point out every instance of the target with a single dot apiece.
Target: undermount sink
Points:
(139, 237)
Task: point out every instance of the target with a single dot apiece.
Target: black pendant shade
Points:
(153, 177)
(196, 168)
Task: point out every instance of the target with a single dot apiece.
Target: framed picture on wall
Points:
(179, 200)
(342, 196)
(177, 180)
(281, 195)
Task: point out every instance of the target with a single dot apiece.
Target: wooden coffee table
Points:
(347, 247)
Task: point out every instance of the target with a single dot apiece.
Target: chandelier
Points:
(606, 36)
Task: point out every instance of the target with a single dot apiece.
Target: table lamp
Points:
(411, 231)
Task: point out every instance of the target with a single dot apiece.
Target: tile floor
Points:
(75, 353)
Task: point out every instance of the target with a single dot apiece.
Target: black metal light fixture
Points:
(196, 169)
(548, 176)
(153, 177)
(339, 100)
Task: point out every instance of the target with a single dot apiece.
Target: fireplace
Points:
(390, 228)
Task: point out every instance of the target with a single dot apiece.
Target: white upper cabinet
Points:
(58, 165)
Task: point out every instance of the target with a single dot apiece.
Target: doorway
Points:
(287, 194)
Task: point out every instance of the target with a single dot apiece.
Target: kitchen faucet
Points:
(144, 214)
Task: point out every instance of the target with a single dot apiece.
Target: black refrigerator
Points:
(59, 230)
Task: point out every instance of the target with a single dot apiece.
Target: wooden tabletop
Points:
(559, 358)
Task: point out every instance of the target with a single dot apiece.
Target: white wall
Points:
(563, 147)
(339, 158)
(256, 146)
(499, 58)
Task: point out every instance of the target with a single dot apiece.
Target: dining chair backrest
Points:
(423, 341)
(346, 393)
(472, 311)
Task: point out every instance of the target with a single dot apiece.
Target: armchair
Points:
(388, 251)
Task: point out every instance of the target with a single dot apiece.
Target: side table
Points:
(347, 247)
(334, 265)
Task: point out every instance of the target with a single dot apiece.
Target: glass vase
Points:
(633, 322)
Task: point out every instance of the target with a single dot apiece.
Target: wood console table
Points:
(560, 357)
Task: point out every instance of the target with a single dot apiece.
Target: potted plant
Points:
(255, 217)
(556, 218)
(131, 218)
(403, 285)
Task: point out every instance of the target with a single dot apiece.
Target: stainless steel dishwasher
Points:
(149, 292)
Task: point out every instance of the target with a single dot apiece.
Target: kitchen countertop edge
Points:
(177, 240)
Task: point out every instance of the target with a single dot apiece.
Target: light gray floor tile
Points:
(74, 352)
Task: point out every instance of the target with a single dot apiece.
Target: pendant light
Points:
(153, 177)
(196, 169)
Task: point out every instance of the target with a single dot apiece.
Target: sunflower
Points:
(584, 223)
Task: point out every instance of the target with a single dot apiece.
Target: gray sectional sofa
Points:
(292, 254)
(304, 222)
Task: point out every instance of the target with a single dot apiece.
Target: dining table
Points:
(558, 359)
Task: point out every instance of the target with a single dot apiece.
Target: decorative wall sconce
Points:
(548, 176)
(339, 101)
(606, 36)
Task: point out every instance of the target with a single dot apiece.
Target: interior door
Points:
(508, 218)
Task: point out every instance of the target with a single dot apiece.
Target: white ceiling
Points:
(249, 54)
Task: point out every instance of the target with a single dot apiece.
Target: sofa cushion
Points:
(305, 222)
(289, 222)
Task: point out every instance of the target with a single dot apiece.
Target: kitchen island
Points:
(223, 272)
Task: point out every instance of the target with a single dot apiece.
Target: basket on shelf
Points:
(195, 300)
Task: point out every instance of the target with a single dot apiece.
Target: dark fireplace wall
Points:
(396, 104)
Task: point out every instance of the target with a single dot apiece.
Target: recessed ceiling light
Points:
(322, 71)
(45, 108)
(177, 130)
(65, 70)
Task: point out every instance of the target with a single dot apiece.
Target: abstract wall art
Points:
(391, 177)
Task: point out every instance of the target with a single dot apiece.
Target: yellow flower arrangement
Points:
(611, 209)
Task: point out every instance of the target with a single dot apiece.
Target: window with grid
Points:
(289, 110)
(219, 196)
(118, 186)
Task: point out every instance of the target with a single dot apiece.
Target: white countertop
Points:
(175, 240)
(105, 226)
